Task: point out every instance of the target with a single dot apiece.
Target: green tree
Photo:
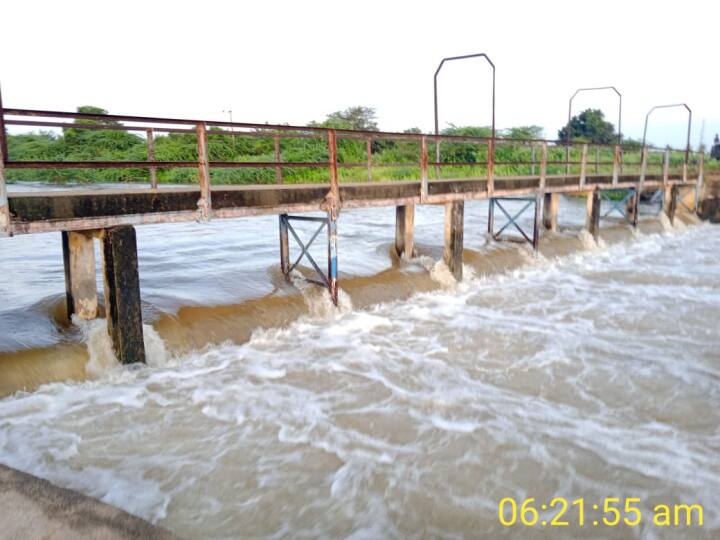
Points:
(589, 126)
(523, 132)
(358, 117)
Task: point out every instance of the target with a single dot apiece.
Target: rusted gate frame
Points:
(285, 221)
(512, 220)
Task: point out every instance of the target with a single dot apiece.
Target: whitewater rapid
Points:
(594, 374)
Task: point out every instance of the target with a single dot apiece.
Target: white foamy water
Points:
(593, 375)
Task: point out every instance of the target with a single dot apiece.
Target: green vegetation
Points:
(391, 159)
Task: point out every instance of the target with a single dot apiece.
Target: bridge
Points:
(534, 171)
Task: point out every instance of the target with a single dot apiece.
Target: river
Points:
(590, 371)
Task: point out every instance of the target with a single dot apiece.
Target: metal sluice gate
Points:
(620, 201)
(512, 219)
(328, 280)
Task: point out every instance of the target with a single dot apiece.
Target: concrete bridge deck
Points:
(88, 209)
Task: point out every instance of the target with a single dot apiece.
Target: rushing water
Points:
(591, 371)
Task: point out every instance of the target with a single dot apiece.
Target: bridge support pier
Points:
(551, 205)
(80, 286)
(284, 245)
(454, 228)
(122, 293)
(671, 200)
(404, 230)
(633, 208)
(592, 222)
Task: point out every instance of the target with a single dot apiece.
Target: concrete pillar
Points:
(536, 223)
(551, 205)
(593, 214)
(80, 285)
(122, 294)
(672, 204)
(453, 252)
(667, 197)
(404, 230)
(632, 208)
(284, 245)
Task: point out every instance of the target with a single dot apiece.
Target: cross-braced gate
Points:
(621, 201)
(328, 280)
(513, 219)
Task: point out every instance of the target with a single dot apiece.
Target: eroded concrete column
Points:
(122, 293)
(453, 252)
(284, 245)
(80, 285)
(632, 208)
(404, 230)
(671, 203)
(551, 204)
(592, 221)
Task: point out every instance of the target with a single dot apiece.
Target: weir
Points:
(110, 215)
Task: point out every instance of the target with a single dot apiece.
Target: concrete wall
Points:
(34, 508)
(710, 198)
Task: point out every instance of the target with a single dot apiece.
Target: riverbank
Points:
(35, 508)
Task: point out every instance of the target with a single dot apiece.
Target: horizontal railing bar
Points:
(342, 133)
(116, 127)
(157, 164)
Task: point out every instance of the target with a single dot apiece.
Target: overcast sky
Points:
(295, 61)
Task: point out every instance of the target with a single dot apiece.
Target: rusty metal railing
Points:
(458, 157)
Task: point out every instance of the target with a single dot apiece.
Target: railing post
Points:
(368, 149)
(583, 164)
(3, 134)
(151, 157)
(278, 167)
(491, 167)
(666, 180)
(423, 169)
(543, 165)
(616, 165)
(532, 159)
(5, 229)
(205, 202)
(334, 195)
(597, 160)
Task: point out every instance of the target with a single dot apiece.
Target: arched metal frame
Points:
(593, 89)
(435, 87)
(672, 105)
(569, 124)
